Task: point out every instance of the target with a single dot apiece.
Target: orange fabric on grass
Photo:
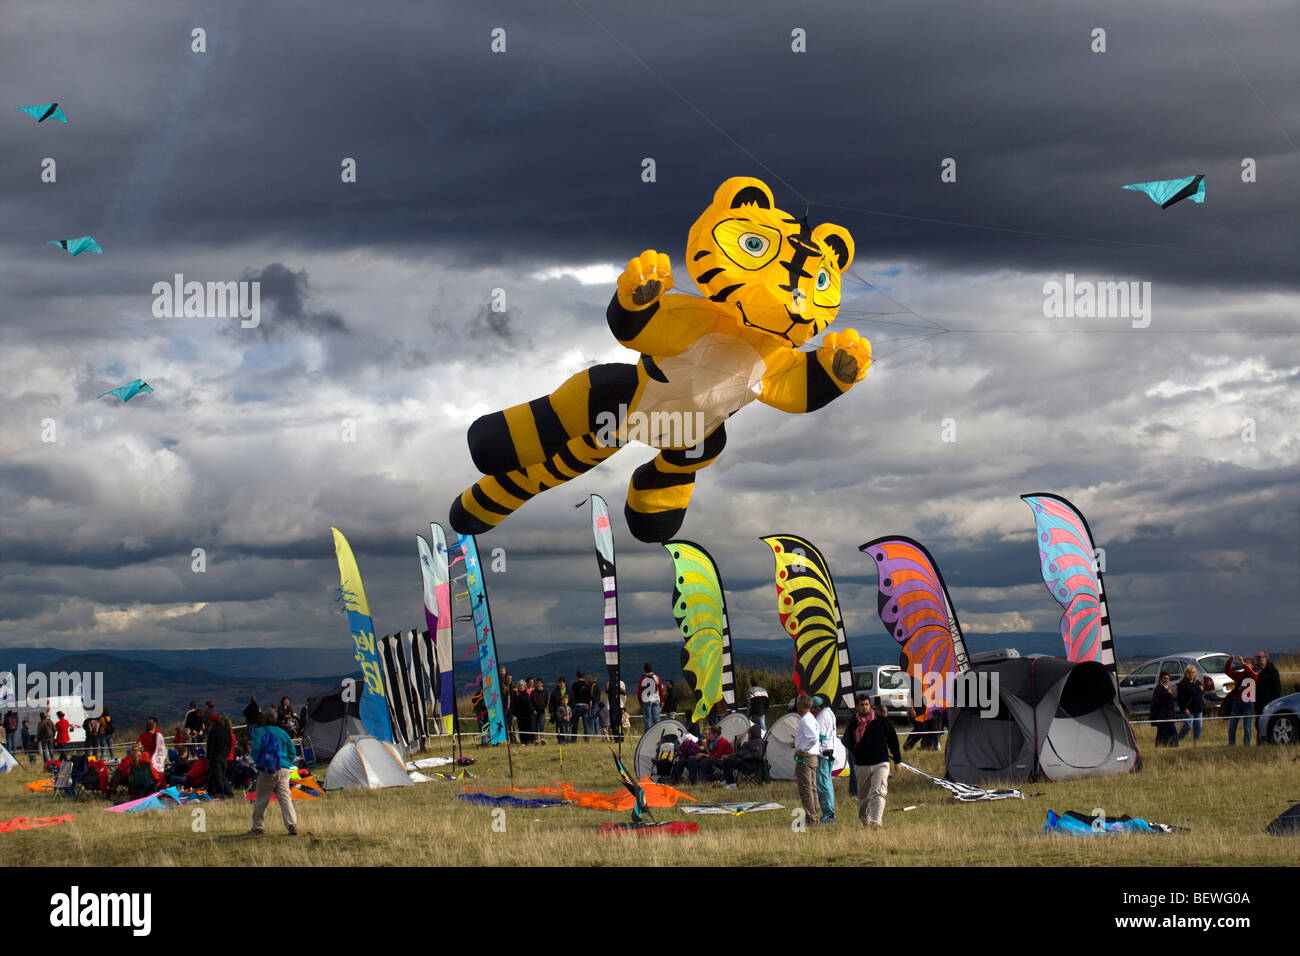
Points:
(31, 823)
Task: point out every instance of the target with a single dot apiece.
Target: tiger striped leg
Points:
(535, 432)
(492, 499)
(660, 489)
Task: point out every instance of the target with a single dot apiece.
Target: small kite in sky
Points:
(1166, 192)
(43, 112)
(129, 390)
(77, 246)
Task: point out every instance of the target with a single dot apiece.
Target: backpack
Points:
(268, 754)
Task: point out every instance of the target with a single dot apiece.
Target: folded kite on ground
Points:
(32, 823)
(506, 800)
(732, 809)
(1079, 824)
(649, 829)
(964, 792)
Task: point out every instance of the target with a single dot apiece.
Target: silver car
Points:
(1136, 687)
(1280, 720)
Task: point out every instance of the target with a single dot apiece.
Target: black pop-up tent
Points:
(330, 722)
(1056, 720)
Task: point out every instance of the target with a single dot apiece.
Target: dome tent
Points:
(1056, 720)
(367, 763)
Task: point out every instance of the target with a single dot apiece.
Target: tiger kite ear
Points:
(743, 191)
(838, 240)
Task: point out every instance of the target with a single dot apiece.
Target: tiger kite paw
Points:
(645, 279)
(849, 354)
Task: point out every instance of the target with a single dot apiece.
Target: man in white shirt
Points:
(826, 729)
(807, 750)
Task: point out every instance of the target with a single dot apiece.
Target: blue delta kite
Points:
(129, 390)
(77, 246)
(43, 112)
(1166, 192)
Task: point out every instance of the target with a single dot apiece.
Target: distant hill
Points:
(135, 690)
(142, 682)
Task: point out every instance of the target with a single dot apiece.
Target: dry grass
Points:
(1226, 796)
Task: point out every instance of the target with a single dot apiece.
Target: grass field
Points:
(1225, 796)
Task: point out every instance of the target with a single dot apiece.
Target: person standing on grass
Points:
(538, 698)
(758, 701)
(63, 734)
(1241, 699)
(1163, 712)
(650, 691)
(563, 720)
(1191, 703)
(593, 713)
(581, 697)
(826, 732)
(1267, 689)
(29, 743)
(807, 749)
(553, 706)
(220, 746)
(11, 731)
(252, 714)
(106, 730)
(45, 738)
(872, 741)
(273, 752)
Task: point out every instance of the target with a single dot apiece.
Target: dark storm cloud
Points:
(479, 172)
(537, 151)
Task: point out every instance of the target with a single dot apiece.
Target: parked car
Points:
(1280, 720)
(886, 681)
(1136, 687)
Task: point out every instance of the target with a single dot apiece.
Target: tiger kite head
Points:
(780, 275)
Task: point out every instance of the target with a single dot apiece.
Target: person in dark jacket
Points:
(1163, 708)
(1191, 703)
(221, 745)
(871, 738)
(521, 706)
(1268, 688)
(538, 700)
(252, 714)
(580, 698)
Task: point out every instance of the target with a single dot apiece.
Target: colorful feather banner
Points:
(700, 607)
(373, 706)
(604, 535)
(916, 609)
(487, 651)
(810, 614)
(1067, 560)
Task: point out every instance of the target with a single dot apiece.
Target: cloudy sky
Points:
(522, 170)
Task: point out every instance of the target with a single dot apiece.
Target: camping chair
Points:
(63, 784)
(755, 771)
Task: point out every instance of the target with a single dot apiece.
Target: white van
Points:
(887, 682)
